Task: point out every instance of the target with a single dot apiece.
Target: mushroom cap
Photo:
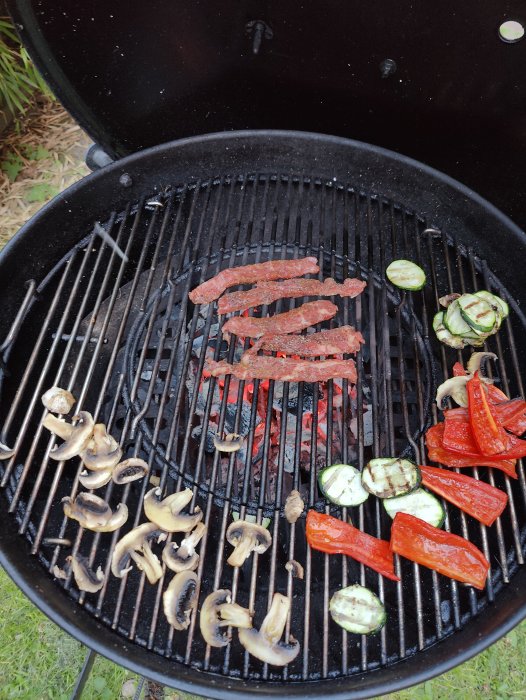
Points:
(58, 400)
(85, 578)
(265, 644)
(166, 513)
(57, 426)
(130, 470)
(246, 537)
(216, 612)
(117, 520)
(180, 599)
(102, 451)
(294, 506)
(295, 568)
(132, 543)
(95, 480)
(184, 557)
(93, 513)
(5, 451)
(77, 441)
(232, 442)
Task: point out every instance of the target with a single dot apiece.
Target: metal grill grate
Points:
(120, 336)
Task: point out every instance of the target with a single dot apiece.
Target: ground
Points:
(39, 159)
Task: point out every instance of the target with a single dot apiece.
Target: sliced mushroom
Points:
(230, 443)
(130, 470)
(184, 557)
(448, 299)
(85, 578)
(166, 513)
(218, 611)
(59, 573)
(136, 545)
(454, 387)
(5, 451)
(265, 644)
(477, 359)
(93, 513)
(58, 400)
(294, 506)
(180, 599)
(295, 568)
(246, 538)
(95, 480)
(77, 441)
(58, 426)
(103, 451)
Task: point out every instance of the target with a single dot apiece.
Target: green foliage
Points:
(18, 76)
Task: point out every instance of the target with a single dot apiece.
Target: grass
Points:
(40, 662)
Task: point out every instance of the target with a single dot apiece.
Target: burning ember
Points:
(272, 407)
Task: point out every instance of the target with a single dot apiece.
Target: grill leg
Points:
(83, 675)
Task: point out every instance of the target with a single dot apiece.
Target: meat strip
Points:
(247, 274)
(332, 342)
(289, 322)
(267, 292)
(285, 369)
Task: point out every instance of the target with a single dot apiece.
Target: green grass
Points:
(40, 662)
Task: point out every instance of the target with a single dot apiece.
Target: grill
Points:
(123, 336)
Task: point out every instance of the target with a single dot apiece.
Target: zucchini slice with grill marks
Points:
(357, 610)
(455, 323)
(477, 312)
(406, 274)
(388, 477)
(496, 302)
(419, 503)
(442, 333)
(342, 484)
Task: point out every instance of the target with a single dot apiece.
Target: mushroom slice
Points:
(95, 480)
(58, 426)
(85, 578)
(231, 442)
(59, 573)
(102, 451)
(247, 538)
(5, 451)
(130, 470)
(476, 359)
(180, 599)
(136, 545)
(265, 644)
(294, 506)
(184, 557)
(93, 513)
(166, 513)
(117, 520)
(218, 611)
(58, 400)
(77, 441)
(295, 568)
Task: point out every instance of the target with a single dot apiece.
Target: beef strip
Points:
(247, 274)
(285, 369)
(308, 314)
(335, 341)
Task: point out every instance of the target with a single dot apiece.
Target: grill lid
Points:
(436, 83)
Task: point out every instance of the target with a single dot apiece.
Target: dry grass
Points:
(39, 159)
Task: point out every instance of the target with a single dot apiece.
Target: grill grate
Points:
(120, 336)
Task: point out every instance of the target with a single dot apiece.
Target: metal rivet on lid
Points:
(125, 180)
(511, 31)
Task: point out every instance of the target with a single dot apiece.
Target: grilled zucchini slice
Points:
(388, 477)
(406, 274)
(357, 610)
(342, 484)
(477, 312)
(419, 503)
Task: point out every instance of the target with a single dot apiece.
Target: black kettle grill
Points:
(208, 122)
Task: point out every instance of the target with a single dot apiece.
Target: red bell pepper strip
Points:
(458, 437)
(488, 434)
(442, 551)
(495, 395)
(512, 415)
(333, 536)
(476, 498)
(438, 453)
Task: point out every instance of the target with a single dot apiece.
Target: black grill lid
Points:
(433, 81)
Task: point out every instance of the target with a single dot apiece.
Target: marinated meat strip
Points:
(267, 292)
(247, 274)
(335, 341)
(285, 369)
(289, 322)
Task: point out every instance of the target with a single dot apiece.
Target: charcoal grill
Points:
(113, 323)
